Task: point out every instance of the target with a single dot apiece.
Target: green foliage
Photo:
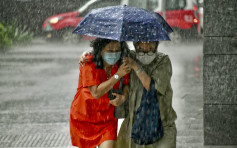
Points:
(11, 34)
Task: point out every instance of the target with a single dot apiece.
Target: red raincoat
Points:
(92, 120)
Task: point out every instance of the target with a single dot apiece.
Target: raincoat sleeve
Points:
(162, 75)
(90, 75)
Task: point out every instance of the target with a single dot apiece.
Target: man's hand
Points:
(120, 99)
(86, 57)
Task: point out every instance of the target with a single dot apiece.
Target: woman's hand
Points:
(123, 70)
(120, 99)
(131, 63)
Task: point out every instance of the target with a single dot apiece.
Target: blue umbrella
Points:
(124, 23)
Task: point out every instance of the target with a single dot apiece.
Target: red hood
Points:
(67, 14)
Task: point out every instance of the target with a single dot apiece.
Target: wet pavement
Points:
(38, 83)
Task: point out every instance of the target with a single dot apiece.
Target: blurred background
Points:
(56, 19)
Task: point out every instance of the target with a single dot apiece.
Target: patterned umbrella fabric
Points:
(124, 23)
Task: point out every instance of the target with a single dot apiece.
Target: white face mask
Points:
(145, 59)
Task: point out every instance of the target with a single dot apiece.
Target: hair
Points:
(98, 45)
(135, 44)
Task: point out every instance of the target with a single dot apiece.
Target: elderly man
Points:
(147, 63)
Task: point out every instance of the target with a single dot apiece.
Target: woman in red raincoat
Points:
(92, 121)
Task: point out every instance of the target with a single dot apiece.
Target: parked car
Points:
(62, 25)
(181, 15)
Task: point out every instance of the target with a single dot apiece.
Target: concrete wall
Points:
(220, 72)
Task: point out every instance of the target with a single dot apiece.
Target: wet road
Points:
(38, 83)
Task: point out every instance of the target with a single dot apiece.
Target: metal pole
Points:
(163, 4)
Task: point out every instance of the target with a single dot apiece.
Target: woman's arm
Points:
(99, 90)
(142, 75)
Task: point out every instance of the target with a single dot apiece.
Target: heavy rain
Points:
(39, 73)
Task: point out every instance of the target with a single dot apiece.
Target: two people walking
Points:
(92, 120)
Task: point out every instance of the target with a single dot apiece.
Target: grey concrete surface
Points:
(220, 18)
(38, 83)
(220, 45)
(219, 72)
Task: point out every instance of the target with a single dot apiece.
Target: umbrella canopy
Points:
(124, 23)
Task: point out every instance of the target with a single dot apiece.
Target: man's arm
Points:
(142, 75)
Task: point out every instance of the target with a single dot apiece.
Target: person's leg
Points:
(107, 144)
